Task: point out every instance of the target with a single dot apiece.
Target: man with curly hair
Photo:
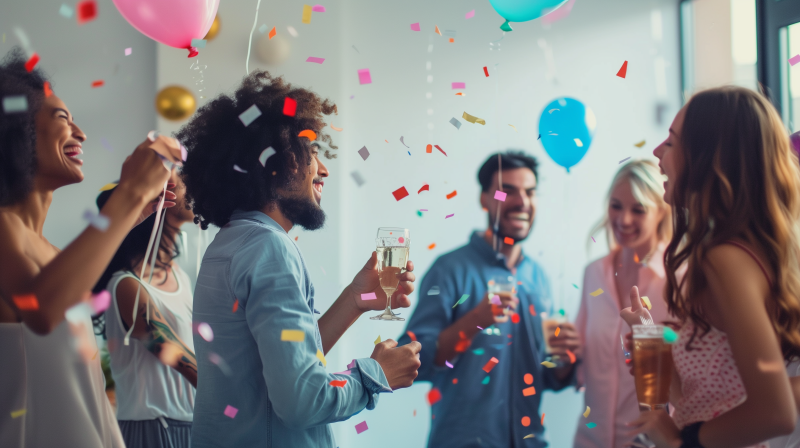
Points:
(262, 380)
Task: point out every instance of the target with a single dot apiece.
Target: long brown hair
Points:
(740, 180)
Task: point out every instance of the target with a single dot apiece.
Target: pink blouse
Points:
(610, 390)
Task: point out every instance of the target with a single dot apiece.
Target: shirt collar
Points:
(256, 215)
(485, 250)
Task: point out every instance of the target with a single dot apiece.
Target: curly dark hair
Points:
(216, 140)
(18, 129)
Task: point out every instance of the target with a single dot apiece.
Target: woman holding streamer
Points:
(156, 372)
(638, 225)
(51, 394)
(734, 187)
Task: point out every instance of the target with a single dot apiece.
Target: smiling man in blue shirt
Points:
(262, 380)
(480, 409)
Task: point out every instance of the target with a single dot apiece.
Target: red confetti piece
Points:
(235, 305)
(452, 195)
(425, 187)
(87, 11)
(289, 106)
(528, 391)
(431, 246)
(434, 396)
(509, 241)
(486, 71)
(526, 421)
(528, 378)
(400, 193)
(455, 380)
(515, 318)
(98, 83)
(47, 90)
(440, 149)
(532, 310)
(490, 365)
(338, 383)
(26, 303)
(34, 59)
(623, 71)
(572, 357)
(429, 149)
(412, 335)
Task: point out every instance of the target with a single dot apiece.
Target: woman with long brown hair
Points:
(734, 186)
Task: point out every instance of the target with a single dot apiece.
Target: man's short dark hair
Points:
(216, 140)
(512, 159)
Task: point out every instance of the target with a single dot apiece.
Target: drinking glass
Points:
(501, 285)
(392, 247)
(549, 325)
(652, 366)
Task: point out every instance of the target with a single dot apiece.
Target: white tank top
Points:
(146, 388)
(61, 392)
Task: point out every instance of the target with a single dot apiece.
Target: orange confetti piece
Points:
(526, 421)
(532, 310)
(336, 129)
(460, 94)
(308, 133)
(452, 195)
(528, 378)
(429, 149)
(543, 419)
(635, 258)
(558, 330)
(431, 246)
(235, 305)
(415, 412)
(272, 33)
(98, 83)
(437, 30)
(528, 391)
(490, 365)
(295, 238)
(338, 383)
(26, 302)
(509, 241)
(412, 335)
(47, 90)
(571, 357)
(452, 40)
(434, 396)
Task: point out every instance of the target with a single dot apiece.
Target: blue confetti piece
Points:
(591, 425)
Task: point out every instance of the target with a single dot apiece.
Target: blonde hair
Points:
(647, 187)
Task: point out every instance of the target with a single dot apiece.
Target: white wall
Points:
(119, 113)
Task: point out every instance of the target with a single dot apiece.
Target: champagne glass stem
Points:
(389, 301)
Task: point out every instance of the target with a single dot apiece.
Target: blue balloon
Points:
(567, 127)
(524, 10)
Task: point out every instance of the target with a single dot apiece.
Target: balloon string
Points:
(497, 215)
(156, 247)
(250, 42)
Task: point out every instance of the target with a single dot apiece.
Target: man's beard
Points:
(501, 234)
(303, 211)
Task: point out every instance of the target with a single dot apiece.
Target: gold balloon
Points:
(175, 103)
(214, 30)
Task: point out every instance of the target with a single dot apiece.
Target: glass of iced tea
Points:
(652, 366)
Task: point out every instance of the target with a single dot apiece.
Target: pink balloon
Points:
(171, 22)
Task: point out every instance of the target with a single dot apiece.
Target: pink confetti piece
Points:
(496, 300)
(415, 26)
(315, 60)
(593, 240)
(361, 427)
(318, 8)
(447, 363)
(369, 296)
(480, 328)
(205, 332)
(500, 196)
(794, 60)
(128, 51)
(101, 301)
(423, 209)
(459, 85)
(230, 411)
(352, 364)
(450, 215)
(470, 14)
(364, 76)
(345, 372)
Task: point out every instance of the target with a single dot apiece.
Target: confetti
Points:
(411, 335)
(199, 43)
(338, 383)
(461, 94)
(263, 29)
(32, 61)
(486, 380)
(378, 341)
(18, 413)
(98, 83)
(576, 286)
(15, 104)
(478, 351)
(670, 337)
(490, 364)
(450, 215)
(470, 14)
(531, 310)
(265, 155)
(572, 357)
(509, 241)
(486, 71)
(591, 425)
(400, 193)
(529, 436)
(363, 152)
(128, 51)
(26, 302)
(364, 76)
(235, 305)
(306, 14)
(369, 296)
(458, 85)
(431, 246)
(425, 187)
(401, 141)
(415, 26)
(623, 71)
(526, 421)
(440, 150)
(292, 31)
(640, 144)
(321, 358)
(272, 33)
(515, 318)
(289, 106)
(528, 378)
(293, 335)
(358, 178)
(548, 364)
(230, 411)
(623, 160)
(452, 40)
(101, 301)
(588, 410)
(558, 330)
(87, 11)
(794, 60)
(308, 133)
(434, 396)
(646, 302)
(239, 169)
(98, 221)
(452, 195)
(249, 115)
(318, 8)
(447, 363)
(66, 11)
(461, 300)
(500, 196)
(528, 391)
(436, 30)
(593, 240)
(597, 292)
(434, 291)
(335, 128)
(455, 123)
(47, 90)
(473, 119)
(315, 60)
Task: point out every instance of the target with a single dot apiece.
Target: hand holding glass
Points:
(392, 247)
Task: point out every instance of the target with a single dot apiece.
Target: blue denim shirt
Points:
(280, 389)
(480, 409)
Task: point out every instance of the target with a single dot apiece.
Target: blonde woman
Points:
(638, 226)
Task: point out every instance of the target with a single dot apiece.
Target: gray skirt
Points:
(159, 433)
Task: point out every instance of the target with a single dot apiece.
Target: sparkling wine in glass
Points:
(392, 247)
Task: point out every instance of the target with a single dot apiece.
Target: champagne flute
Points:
(392, 247)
